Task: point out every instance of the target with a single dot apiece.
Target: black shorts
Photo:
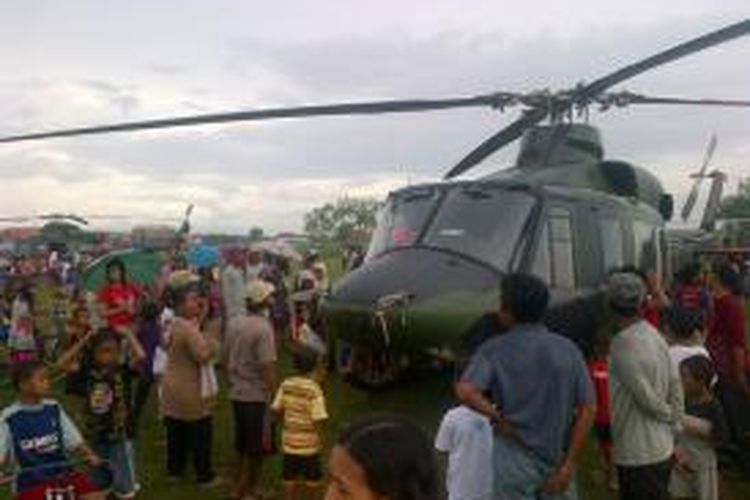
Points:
(302, 468)
(603, 434)
(249, 427)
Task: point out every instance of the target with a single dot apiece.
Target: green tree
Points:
(349, 221)
(737, 207)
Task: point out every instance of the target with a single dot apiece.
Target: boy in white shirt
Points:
(466, 437)
(686, 327)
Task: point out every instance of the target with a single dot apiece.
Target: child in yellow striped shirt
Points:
(301, 403)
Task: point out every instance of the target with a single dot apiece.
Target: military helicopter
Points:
(81, 219)
(562, 212)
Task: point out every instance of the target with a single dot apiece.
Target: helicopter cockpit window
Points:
(402, 219)
(483, 223)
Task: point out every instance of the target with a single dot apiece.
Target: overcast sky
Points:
(88, 62)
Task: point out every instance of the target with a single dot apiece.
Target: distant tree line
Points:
(346, 222)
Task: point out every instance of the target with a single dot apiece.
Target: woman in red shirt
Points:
(118, 298)
(726, 337)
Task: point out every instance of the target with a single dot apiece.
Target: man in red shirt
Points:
(727, 345)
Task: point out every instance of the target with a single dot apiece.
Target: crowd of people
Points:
(115, 346)
(664, 390)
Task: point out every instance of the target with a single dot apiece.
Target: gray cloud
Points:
(245, 168)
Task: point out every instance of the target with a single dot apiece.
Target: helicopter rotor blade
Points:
(685, 49)
(627, 98)
(687, 208)
(63, 217)
(4, 220)
(588, 92)
(507, 135)
(710, 150)
(495, 100)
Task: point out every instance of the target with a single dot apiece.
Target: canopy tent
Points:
(143, 267)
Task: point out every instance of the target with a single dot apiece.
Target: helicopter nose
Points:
(427, 294)
(419, 273)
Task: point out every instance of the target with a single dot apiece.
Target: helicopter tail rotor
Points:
(687, 209)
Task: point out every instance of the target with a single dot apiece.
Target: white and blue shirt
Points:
(36, 439)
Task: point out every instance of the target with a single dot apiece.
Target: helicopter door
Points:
(612, 242)
(647, 246)
(554, 260)
(564, 234)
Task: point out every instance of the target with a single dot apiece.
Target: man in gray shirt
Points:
(250, 359)
(541, 400)
(646, 397)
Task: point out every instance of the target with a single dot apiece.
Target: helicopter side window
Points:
(541, 267)
(612, 243)
(646, 246)
(561, 244)
(554, 261)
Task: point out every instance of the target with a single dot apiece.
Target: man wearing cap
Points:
(646, 397)
(250, 357)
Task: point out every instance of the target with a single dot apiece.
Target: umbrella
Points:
(143, 266)
(203, 256)
(280, 248)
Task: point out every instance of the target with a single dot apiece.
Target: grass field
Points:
(425, 397)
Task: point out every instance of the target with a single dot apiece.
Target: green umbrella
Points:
(143, 267)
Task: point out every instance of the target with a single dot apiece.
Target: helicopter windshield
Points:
(402, 220)
(484, 223)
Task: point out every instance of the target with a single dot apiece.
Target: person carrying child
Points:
(301, 403)
(38, 437)
(106, 382)
(704, 429)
